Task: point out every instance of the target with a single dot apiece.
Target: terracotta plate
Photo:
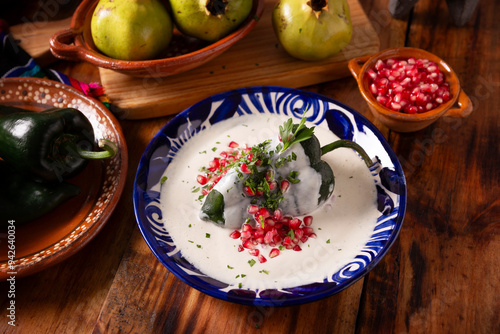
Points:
(61, 233)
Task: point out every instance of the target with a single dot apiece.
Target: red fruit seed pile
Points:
(408, 85)
(276, 230)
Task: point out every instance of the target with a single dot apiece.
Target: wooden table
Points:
(440, 276)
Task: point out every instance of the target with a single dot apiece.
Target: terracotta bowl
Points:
(54, 237)
(183, 53)
(458, 106)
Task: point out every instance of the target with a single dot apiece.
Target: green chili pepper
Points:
(54, 144)
(215, 202)
(23, 199)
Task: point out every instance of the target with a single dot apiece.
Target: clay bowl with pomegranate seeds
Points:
(183, 53)
(417, 106)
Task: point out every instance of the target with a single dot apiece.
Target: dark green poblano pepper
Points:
(295, 156)
(54, 144)
(23, 199)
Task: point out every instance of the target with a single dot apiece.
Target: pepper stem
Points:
(347, 144)
(109, 150)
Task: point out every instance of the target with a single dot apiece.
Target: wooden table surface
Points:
(440, 276)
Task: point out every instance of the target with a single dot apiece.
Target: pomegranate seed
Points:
(246, 228)
(284, 185)
(270, 222)
(297, 248)
(272, 185)
(308, 220)
(312, 235)
(233, 144)
(295, 223)
(253, 209)
(287, 241)
(249, 191)
(379, 65)
(262, 259)
(235, 234)
(254, 252)
(240, 248)
(372, 74)
(268, 238)
(202, 179)
(248, 244)
(244, 168)
(274, 252)
(277, 214)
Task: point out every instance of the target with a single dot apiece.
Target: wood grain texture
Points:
(34, 38)
(255, 60)
(440, 276)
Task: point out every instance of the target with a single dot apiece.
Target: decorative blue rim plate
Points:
(343, 121)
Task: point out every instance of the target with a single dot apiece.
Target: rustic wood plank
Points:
(255, 60)
(445, 278)
(34, 38)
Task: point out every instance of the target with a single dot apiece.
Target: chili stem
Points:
(347, 144)
(109, 150)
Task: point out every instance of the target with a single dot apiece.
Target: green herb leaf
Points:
(229, 267)
(163, 179)
(207, 235)
(251, 262)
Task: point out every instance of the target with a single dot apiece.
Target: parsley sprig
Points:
(290, 137)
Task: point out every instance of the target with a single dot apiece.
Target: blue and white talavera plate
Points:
(323, 112)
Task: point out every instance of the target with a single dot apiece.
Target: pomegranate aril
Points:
(248, 244)
(233, 144)
(308, 220)
(249, 191)
(295, 223)
(277, 214)
(297, 248)
(261, 258)
(284, 185)
(244, 168)
(235, 234)
(379, 65)
(372, 74)
(240, 248)
(253, 209)
(274, 252)
(254, 252)
(202, 179)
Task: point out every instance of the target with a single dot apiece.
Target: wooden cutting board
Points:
(255, 60)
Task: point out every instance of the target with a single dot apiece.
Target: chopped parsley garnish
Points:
(251, 262)
(199, 246)
(264, 272)
(207, 235)
(163, 179)
(195, 190)
(290, 137)
(214, 149)
(328, 241)
(229, 267)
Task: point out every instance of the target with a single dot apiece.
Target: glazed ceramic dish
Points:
(324, 113)
(54, 237)
(458, 106)
(183, 53)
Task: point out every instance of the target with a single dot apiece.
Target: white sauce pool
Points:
(343, 224)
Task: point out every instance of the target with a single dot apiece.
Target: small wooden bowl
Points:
(458, 106)
(183, 53)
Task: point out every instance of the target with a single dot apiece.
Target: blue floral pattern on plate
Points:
(322, 111)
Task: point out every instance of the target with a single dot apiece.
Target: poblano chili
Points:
(290, 159)
(54, 144)
(23, 199)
